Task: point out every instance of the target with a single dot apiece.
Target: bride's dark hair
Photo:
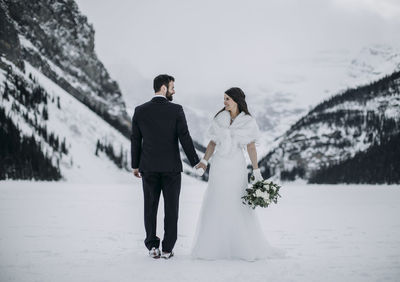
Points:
(238, 96)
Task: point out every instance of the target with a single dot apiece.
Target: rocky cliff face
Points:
(337, 129)
(54, 37)
(9, 42)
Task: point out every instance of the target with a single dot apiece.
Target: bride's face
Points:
(230, 105)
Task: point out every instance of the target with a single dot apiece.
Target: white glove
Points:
(257, 175)
(200, 171)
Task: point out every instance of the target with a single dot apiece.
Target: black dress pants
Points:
(169, 183)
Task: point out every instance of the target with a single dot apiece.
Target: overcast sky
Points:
(209, 45)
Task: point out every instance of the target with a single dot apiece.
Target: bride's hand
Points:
(257, 175)
(202, 164)
(201, 167)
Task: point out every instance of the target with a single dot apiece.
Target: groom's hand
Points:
(137, 173)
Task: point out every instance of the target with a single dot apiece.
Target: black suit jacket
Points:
(156, 127)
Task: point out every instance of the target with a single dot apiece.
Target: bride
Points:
(227, 229)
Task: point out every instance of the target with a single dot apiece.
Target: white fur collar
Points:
(223, 119)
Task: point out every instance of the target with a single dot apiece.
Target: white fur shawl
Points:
(241, 132)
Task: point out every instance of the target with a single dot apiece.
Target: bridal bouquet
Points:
(261, 194)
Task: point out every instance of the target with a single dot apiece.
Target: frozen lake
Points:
(95, 232)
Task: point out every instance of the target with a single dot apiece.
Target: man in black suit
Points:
(156, 128)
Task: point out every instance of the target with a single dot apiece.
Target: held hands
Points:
(201, 167)
(257, 175)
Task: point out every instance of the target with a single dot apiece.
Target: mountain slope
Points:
(54, 37)
(63, 119)
(294, 87)
(337, 129)
(379, 164)
(21, 156)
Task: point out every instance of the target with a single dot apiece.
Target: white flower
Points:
(265, 195)
(266, 186)
(259, 193)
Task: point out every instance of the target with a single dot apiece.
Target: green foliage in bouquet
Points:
(261, 194)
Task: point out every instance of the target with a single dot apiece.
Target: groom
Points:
(156, 127)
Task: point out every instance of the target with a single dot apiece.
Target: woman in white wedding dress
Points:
(228, 229)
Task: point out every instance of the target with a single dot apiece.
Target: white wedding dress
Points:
(227, 229)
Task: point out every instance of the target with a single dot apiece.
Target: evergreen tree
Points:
(5, 91)
(45, 114)
(21, 157)
(64, 147)
(97, 147)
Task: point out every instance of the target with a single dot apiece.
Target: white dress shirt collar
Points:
(160, 95)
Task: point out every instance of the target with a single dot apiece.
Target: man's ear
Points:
(164, 88)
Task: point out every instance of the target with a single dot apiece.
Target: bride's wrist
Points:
(203, 161)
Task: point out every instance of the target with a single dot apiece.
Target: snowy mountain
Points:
(295, 87)
(49, 45)
(55, 38)
(57, 98)
(61, 115)
(65, 118)
(374, 62)
(337, 129)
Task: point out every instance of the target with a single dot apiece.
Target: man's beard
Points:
(168, 95)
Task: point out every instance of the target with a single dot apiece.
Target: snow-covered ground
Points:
(94, 232)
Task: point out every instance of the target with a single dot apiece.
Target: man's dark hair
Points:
(160, 80)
